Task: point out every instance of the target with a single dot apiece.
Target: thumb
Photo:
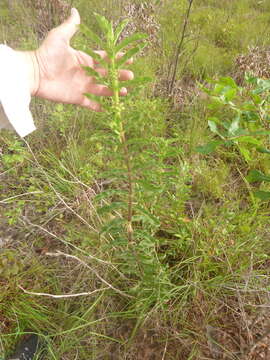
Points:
(70, 26)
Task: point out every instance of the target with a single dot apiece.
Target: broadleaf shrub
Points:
(240, 119)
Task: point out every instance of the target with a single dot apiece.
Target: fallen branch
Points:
(6, 201)
(62, 296)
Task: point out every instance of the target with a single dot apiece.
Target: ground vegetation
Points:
(154, 245)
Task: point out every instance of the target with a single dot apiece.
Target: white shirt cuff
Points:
(14, 94)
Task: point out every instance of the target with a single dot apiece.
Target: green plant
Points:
(10, 265)
(116, 108)
(127, 215)
(239, 118)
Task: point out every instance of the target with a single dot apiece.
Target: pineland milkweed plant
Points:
(130, 224)
(111, 44)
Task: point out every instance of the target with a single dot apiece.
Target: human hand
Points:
(57, 72)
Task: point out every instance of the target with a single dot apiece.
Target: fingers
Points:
(104, 56)
(86, 60)
(123, 91)
(123, 75)
(92, 105)
(102, 90)
(98, 89)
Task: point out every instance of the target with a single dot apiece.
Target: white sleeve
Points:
(14, 94)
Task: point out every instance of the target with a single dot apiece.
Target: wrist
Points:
(30, 65)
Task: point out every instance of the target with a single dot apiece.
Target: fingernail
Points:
(123, 91)
(131, 75)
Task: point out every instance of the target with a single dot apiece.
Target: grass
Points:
(204, 286)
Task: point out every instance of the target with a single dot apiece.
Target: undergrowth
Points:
(148, 211)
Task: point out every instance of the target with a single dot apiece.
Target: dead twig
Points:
(62, 296)
(6, 201)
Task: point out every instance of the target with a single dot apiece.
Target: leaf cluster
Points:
(239, 118)
(118, 53)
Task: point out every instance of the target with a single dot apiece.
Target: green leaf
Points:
(103, 23)
(248, 140)
(119, 29)
(250, 78)
(218, 89)
(93, 97)
(146, 217)
(263, 195)
(106, 194)
(107, 28)
(251, 116)
(215, 104)
(91, 35)
(97, 57)
(256, 98)
(263, 85)
(117, 205)
(248, 106)
(209, 147)
(113, 174)
(228, 81)
(212, 123)
(256, 175)
(230, 94)
(204, 88)
(245, 152)
(263, 150)
(121, 61)
(91, 72)
(114, 226)
(260, 132)
(213, 126)
(259, 90)
(149, 187)
(234, 127)
(110, 35)
(129, 40)
(97, 99)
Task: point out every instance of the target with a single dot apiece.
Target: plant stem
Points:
(179, 48)
(122, 137)
(130, 187)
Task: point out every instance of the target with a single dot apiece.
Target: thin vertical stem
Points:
(123, 141)
(179, 48)
(130, 187)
